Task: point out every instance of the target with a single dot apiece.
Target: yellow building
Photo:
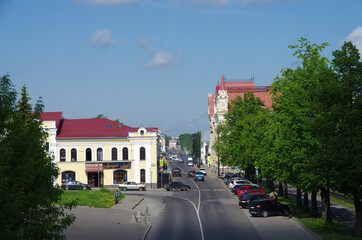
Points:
(102, 152)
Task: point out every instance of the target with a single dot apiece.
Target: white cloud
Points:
(102, 38)
(161, 60)
(356, 38)
(107, 2)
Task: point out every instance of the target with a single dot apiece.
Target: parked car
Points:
(199, 176)
(268, 207)
(245, 201)
(203, 171)
(131, 186)
(243, 189)
(176, 172)
(239, 182)
(237, 186)
(75, 185)
(227, 178)
(241, 196)
(191, 173)
(176, 186)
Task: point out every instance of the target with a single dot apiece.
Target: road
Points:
(210, 211)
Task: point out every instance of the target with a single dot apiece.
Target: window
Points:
(62, 155)
(99, 154)
(119, 176)
(114, 154)
(125, 153)
(88, 154)
(142, 153)
(68, 176)
(142, 132)
(47, 147)
(73, 155)
(143, 175)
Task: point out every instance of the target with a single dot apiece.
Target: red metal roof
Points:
(52, 116)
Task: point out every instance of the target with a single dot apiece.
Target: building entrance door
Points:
(94, 180)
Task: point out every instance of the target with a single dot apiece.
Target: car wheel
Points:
(124, 189)
(84, 188)
(141, 189)
(66, 188)
(167, 189)
(265, 214)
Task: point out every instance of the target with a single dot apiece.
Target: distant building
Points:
(173, 143)
(226, 90)
(205, 146)
(102, 152)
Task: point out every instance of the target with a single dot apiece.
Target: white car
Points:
(131, 186)
(239, 182)
(203, 171)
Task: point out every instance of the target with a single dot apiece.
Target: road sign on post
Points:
(237, 169)
(256, 171)
(161, 162)
(169, 170)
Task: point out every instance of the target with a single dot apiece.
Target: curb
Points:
(138, 203)
(307, 229)
(146, 233)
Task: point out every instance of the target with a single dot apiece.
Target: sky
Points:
(152, 63)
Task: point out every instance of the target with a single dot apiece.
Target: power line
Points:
(187, 123)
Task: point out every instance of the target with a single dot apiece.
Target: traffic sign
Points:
(169, 170)
(237, 167)
(161, 162)
(257, 171)
(237, 170)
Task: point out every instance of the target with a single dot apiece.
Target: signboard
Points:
(116, 165)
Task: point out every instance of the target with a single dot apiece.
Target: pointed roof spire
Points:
(218, 84)
(222, 82)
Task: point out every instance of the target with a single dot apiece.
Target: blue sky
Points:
(152, 63)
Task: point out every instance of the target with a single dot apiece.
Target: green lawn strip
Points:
(99, 199)
(336, 230)
(344, 203)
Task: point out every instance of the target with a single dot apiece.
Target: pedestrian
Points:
(116, 196)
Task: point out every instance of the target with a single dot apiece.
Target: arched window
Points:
(68, 176)
(142, 153)
(99, 154)
(125, 153)
(114, 154)
(62, 155)
(88, 154)
(143, 175)
(119, 176)
(73, 155)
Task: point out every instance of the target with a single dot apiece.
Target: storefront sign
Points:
(116, 165)
(93, 167)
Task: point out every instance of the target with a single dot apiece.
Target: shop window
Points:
(73, 155)
(143, 175)
(119, 176)
(62, 155)
(88, 154)
(68, 176)
(142, 153)
(99, 154)
(114, 154)
(125, 153)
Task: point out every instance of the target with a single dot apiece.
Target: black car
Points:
(177, 186)
(75, 185)
(191, 173)
(176, 172)
(245, 202)
(268, 207)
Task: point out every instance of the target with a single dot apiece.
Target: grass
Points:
(99, 199)
(344, 203)
(335, 231)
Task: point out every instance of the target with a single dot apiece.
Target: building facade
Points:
(102, 152)
(227, 90)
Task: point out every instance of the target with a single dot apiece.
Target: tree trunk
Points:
(326, 210)
(314, 204)
(285, 189)
(358, 223)
(270, 184)
(280, 189)
(299, 197)
(306, 200)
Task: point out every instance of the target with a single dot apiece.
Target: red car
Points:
(243, 189)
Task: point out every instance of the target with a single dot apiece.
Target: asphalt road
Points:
(210, 211)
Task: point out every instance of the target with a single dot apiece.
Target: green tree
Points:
(27, 190)
(185, 141)
(347, 143)
(100, 116)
